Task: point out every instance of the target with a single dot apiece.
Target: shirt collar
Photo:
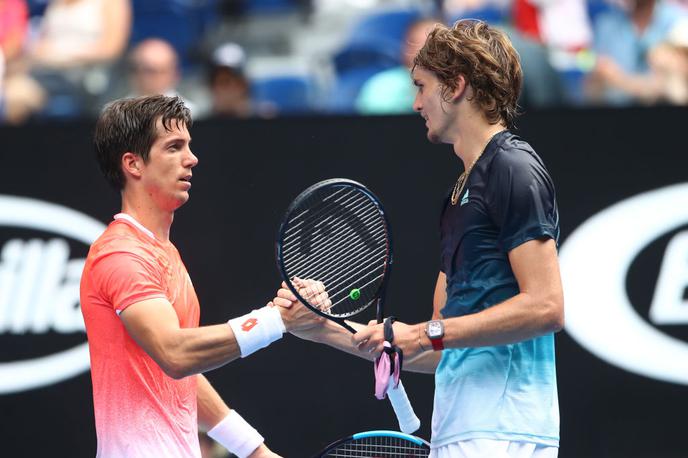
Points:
(130, 219)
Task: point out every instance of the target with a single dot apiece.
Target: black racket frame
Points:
(283, 227)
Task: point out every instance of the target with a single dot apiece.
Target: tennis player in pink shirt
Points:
(140, 308)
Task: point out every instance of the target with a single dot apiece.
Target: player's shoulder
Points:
(512, 153)
(120, 238)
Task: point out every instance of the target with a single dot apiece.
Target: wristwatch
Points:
(434, 329)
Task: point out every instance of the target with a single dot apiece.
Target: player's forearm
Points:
(337, 337)
(220, 344)
(196, 350)
(211, 408)
(181, 352)
(519, 318)
(226, 426)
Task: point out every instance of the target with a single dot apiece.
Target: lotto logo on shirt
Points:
(625, 274)
(42, 251)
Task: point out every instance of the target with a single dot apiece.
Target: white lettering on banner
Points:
(39, 288)
(668, 304)
(595, 260)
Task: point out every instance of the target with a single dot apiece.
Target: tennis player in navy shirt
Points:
(498, 299)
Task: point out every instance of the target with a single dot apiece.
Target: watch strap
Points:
(437, 344)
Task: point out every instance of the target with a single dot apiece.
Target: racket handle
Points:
(408, 421)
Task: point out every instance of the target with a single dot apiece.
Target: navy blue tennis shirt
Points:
(505, 392)
(508, 200)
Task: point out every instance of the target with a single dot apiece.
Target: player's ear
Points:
(132, 164)
(460, 89)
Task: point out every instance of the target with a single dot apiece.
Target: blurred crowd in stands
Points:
(64, 59)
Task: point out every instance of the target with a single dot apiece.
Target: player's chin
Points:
(180, 199)
(433, 137)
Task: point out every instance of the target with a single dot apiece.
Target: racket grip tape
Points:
(408, 421)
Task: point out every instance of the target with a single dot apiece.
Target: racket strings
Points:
(319, 205)
(330, 244)
(316, 207)
(336, 252)
(343, 249)
(379, 447)
(317, 224)
(343, 294)
(335, 263)
(354, 270)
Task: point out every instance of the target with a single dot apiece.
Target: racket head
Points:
(377, 444)
(336, 232)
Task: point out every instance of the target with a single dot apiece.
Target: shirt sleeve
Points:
(521, 200)
(125, 278)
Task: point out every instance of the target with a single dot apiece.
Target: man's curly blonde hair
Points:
(486, 59)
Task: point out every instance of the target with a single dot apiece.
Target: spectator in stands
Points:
(68, 65)
(230, 89)
(667, 77)
(13, 26)
(82, 32)
(535, 27)
(392, 91)
(542, 85)
(623, 40)
(559, 24)
(14, 16)
(184, 24)
(22, 96)
(669, 62)
(154, 70)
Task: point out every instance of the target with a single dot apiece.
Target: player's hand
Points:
(314, 292)
(311, 290)
(284, 297)
(264, 452)
(312, 323)
(371, 339)
(296, 316)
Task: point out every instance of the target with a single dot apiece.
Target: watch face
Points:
(435, 329)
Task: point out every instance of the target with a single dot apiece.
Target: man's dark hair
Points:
(129, 125)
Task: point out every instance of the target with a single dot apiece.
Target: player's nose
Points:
(191, 160)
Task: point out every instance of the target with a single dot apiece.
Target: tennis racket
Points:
(377, 444)
(336, 232)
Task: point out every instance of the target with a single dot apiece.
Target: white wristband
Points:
(257, 329)
(236, 435)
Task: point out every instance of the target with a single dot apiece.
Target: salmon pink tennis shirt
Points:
(139, 410)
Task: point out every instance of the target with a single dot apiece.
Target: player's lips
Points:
(187, 180)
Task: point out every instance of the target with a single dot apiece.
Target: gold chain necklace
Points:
(461, 182)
